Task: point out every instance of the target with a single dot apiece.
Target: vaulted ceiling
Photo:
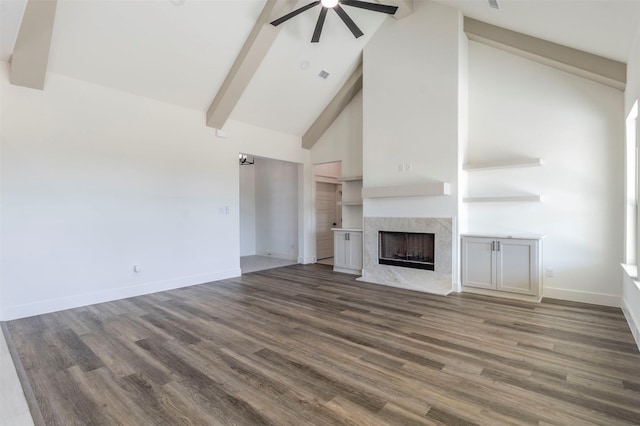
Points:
(181, 51)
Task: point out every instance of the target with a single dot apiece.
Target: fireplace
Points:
(436, 278)
(406, 249)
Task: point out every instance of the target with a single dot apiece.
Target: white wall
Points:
(276, 208)
(95, 181)
(631, 288)
(519, 108)
(343, 142)
(274, 145)
(413, 96)
(248, 211)
(411, 85)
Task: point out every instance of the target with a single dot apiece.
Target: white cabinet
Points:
(509, 265)
(347, 255)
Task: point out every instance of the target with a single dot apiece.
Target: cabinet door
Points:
(355, 250)
(340, 259)
(478, 263)
(516, 260)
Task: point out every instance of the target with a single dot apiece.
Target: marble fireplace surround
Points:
(438, 281)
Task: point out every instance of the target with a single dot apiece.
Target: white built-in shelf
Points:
(503, 164)
(349, 178)
(415, 190)
(350, 203)
(326, 179)
(504, 199)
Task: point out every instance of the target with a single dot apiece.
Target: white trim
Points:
(307, 260)
(634, 325)
(630, 270)
(504, 236)
(348, 271)
(502, 294)
(284, 256)
(76, 301)
(583, 296)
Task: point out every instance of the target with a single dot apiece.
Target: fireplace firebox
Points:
(406, 249)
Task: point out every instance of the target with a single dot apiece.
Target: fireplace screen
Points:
(406, 249)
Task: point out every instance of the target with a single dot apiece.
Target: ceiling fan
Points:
(336, 5)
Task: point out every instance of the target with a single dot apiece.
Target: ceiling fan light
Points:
(329, 3)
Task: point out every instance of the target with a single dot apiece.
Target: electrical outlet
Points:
(548, 272)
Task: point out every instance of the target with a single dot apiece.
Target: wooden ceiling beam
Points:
(30, 55)
(587, 65)
(255, 48)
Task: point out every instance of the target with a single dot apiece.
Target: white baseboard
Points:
(283, 256)
(348, 271)
(76, 301)
(307, 260)
(583, 297)
(503, 295)
(634, 325)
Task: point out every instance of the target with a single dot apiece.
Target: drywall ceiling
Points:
(180, 51)
(177, 51)
(11, 12)
(602, 27)
(283, 95)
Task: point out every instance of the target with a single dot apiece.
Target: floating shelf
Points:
(505, 164)
(349, 203)
(349, 178)
(505, 199)
(416, 190)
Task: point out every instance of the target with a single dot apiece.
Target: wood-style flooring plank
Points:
(304, 345)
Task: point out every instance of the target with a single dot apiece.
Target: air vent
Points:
(494, 4)
(323, 74)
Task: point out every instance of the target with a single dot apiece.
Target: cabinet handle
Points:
(493, 246)
(498, 245)
(346, 237)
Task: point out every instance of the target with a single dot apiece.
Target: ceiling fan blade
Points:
(352, 25)
(319, 25)
(294, 13)
(371, 6)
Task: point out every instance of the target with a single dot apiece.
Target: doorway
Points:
(269, 206)
(328, 211)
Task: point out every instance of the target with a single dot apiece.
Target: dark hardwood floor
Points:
(303, 345)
